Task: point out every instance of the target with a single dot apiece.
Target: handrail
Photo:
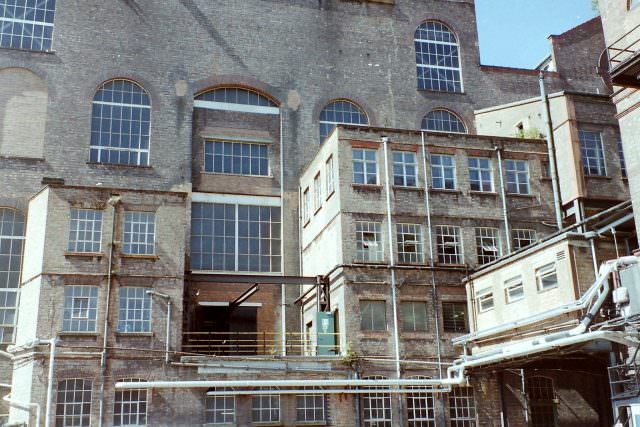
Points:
(622, 50)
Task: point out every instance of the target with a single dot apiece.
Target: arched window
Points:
(73, 406)
(120, 123)
(11, 242)
(340, 112)
(376, 406)
(236, 99)
(437, 58)
(443, 121)
(541, 395)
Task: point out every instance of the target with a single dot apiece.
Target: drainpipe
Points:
(503, 402)
(168, 322)
(553, 168)
(503, 196)
(21, 405)
(434, 293)
(283, 296)
(113, 202)
(394, 303)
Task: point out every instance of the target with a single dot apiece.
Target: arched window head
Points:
(11, 242)
(443, 121)
(120, 123)
(236, 99)
(340, 112)
(437, 58)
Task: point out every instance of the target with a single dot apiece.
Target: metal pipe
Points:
(23, 406)
(505, 216)
(327, 391)
(553, 168)
(283, 296)
(394, 302)
(52, 359)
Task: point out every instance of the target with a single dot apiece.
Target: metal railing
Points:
(624, 48)
(624, 381)
(259, 343)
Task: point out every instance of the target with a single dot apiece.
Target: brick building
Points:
(153, 163)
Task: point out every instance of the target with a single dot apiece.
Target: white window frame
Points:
(376, 407)
(517, 178)
(403, 163)
(311, 406)
(74, 413)
(485, 174)
(139, 232)
(435, 47)
(369, 241)
(132, 399)
(85, 231)
(514, 289)
(46, 26)
(263, 404)
(462, 407)
(369, 166)
(439, 171)
(465, 319)
(412, 232)
(317, 192)
(213, 159)
(488, 245)
(12, 226)
(421, 405)
(223, 406)
(592, 153)
(350, 111)
(485, 300)
(448, 236)
(306, 205)
(134, 310)
(519, 235)
(441, 120)
(329, 176)
(86, 322)
(543, 272)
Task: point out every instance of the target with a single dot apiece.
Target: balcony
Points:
(624, 59)
(624, 381)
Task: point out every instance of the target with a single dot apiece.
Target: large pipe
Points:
(553, 168)
(394, 301)
(503, 196)
(283, 295)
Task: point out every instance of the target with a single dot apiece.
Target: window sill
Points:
(543, 291)
(16, 49)
(366, 263)
(134, 334)
(441, 91)
(444, 191)
(444, 264)
(330, 194)
(72, 334)
(482, 193)
(317, 210)
(415, 334)
(306, 223)
(598, 177)
(545, 179)
(524, 196)
(372, 333)
(235, 174)
(311, 423)
(410, 189)
(119, 166)
(134, 256)
(366, 187)
(24, 159)
(83, 254)
(412, 264)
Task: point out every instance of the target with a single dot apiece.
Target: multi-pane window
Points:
(443, 121)
(376, 407)
(592, 153)
(265, 408)
(517, 172)
(437, 58)
(454, 316)
(235, 95)
(73, 404)
(134, 314)
(462, 407)
(130, 406)
(365, 166)
(369, 241)
(373, 315)
(623, 164)
(487, 244)
(484, 298)
(420, 406)
(409, 243)
(513, 289)
(80, 308)
(238, 158)
(232, 237)
(120, 123)
(523, 238)
(27, 24)
(317, 192)
(340, 112)
(11, 242)
(306, 205)
(480, 174)
(139, 233)
(404, 169)
(547, 277)
(449, 244)
(85, 230)
(329, 176)
(310, 407)
(414, 316)
(443, 172)
(220, 409)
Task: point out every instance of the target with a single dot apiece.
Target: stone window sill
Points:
(525, 196)
(247, 175)
(135, 256)
(598, 177)
(366, 187)
(83, 254)
(119, 166)
(483, 193)
(409, 189)
(72, 334)
(445, 191)
(134, 334)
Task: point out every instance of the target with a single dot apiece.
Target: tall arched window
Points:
(120, 123)
(437, 58)
(443, 121)
(340, 112)
(541, 395)
(376, 406)
(11, 242)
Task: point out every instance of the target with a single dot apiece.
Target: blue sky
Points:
(513, 33)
